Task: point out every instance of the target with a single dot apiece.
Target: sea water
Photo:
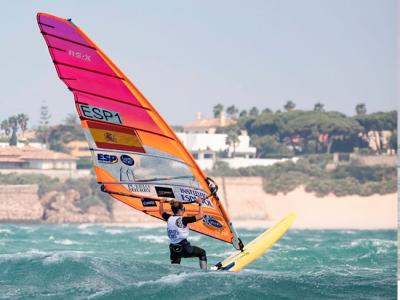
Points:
(105, 262)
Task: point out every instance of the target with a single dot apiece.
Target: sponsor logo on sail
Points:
(190, 195)
(79, 55)
(107, 158)
(101, 114)
(127, 160)
(211, 222)
(139, 188)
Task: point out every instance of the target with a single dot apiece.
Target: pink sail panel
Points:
(63, 30)
(79, 63)
(129, 115)
(76, 55)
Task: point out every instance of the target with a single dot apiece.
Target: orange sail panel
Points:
(138, 158)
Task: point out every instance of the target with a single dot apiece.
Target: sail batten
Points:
(138, 159)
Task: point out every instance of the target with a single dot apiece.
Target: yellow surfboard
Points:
(257, 247)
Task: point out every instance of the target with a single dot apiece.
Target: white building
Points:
(205, 145)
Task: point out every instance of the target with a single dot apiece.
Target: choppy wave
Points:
(155, 239)
(115, 231)
(134, 264)
(6, 231)
(67, 242)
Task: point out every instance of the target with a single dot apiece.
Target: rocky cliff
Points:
(20, 203)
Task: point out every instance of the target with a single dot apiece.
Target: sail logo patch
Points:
(212, 223)
(189, 195)
(139, 188)
(107, 158)
(127, 160)
(79, 55)
(101, 114)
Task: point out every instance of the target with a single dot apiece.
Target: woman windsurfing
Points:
(178, 231)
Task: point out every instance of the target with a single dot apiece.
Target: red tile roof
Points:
(15, 154)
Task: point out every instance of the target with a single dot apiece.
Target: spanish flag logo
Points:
(116, 137)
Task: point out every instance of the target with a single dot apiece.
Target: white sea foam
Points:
(155, 239)
(7, 231)
(114, 231)
(84, 226)
(48, 257)
(194, 238)
(57, 257)
(172, 279)
(31, 254)
(380, 246)
(66, 242)
(87, 232)
(142, 252)
(28, 229)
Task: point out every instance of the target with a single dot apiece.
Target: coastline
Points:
(244, 198)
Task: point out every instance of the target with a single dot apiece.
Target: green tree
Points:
(289, 106)
(264, 124)
(5, 127)
(319, 107)
(43, 129)
(393, 141)
(311, 126)
(243, 113)
(60, 135)
(374, 124)
(217, 109)
(232, 137)
(254, 111)
(23, 122)
(13, 123)
(361, 109)
(232, 111)
(268, 146)
(266, 111)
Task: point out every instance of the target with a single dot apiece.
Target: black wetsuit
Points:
(184, 248)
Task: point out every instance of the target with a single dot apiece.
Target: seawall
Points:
(243, 197)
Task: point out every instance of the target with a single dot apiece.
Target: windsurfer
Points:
(178, 231)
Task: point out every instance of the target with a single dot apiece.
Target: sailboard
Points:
(137, 157)
(257, 247)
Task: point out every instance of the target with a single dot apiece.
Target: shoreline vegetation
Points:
(310, 137)
(314, 174)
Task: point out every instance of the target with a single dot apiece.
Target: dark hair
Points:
(176, 206)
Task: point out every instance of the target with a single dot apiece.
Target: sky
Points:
(187, 56)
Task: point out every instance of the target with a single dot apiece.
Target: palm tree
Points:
(361, 109)
(253, 111)
(319, 107)
(43, 129)
(232, 111)
(243, 113)
(289, 106)
(266, 111)
(232, 139)
(6, 127)
(217, 109)
(13, 122)
(22, 120)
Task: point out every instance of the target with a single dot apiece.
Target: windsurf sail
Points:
(137, 157)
